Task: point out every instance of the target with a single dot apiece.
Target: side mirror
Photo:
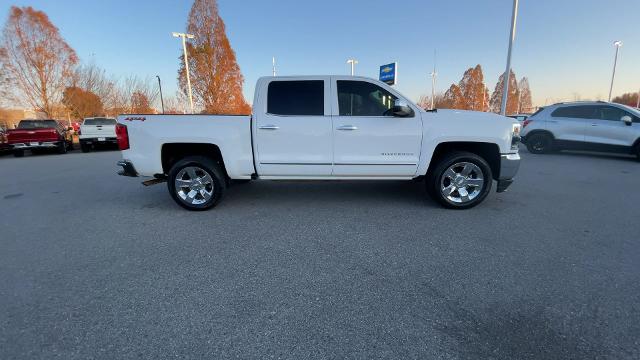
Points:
(627, 120)
(401, 108)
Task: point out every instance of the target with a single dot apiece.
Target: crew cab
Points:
(97, 131)
(38, 135)
(323, 128)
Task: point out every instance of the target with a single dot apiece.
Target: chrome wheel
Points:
(194, 185)
(462, 182)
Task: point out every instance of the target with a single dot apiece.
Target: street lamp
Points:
(617, 44)
(353, 63)
(507, 72)
(161, 99)
(186, 62)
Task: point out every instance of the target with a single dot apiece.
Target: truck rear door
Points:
(293, 127)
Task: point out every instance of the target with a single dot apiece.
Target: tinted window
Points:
(37, 124)
(611, 113)
(579, 112)
(360, 98)
(100, 121)
(296, 97)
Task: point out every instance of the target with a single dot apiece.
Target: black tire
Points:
(438, 177)
(62, 147)
(70, 146)
(206, 166)
(540, 144)
(85, 147)
(638, 152)
(18, 153)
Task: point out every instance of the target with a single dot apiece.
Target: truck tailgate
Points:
(98, 131)
(34, 135)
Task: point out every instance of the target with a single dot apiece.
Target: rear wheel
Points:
(85, 147)
(70, 145)
(18, 153)
(196, 183)
(460, 180)
(62, 147)
(539, 143)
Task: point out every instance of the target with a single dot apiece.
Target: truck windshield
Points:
(100, 121)
(37, 124)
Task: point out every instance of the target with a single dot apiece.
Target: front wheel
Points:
(196, 183)
(62, 147)
(18, 153)
(460, 180)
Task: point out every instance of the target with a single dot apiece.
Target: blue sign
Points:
(388, 73)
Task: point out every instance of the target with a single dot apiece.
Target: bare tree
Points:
(36, 57)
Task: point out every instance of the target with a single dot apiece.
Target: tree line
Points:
(40, 70)
(470, 93)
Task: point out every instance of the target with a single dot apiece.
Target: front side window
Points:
(360, 98)
(296, 98)
(611, 113)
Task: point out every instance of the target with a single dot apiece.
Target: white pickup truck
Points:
(323, 128)
(97, 131)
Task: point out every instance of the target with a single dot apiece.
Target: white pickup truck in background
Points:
(323, 128)
(97, 131)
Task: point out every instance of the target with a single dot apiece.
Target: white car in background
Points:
(593, 125)
(97, 131)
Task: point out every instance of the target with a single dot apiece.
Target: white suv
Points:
(597, 126)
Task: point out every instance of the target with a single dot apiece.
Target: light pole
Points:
(353, 63)
(617, 44)
(505, 80)
(273, 64)
(433, 74)
(186, 62)
(161, 99)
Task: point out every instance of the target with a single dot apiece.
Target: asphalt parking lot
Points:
(96, 266)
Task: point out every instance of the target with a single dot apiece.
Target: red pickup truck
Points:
(37, 135)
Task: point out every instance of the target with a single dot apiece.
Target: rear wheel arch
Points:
(490, 152)
(171, 153)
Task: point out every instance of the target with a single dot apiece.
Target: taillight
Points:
(526, 122)
(123, 136)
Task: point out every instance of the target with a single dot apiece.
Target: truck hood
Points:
(463, 116)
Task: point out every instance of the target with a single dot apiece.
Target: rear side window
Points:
(576, 112)
(296, 98)
(100, 121)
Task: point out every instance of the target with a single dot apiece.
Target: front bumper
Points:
(509, 166)
(36, 145)
(127, 168)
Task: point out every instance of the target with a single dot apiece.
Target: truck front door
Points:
(293, 130)
(368, 139)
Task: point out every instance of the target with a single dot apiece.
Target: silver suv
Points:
(596, 126)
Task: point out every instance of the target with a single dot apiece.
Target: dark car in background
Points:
(36, 135)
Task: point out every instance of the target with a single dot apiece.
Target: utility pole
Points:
(353, 63)
(505, 80)
(434, 74)
(186, 62)
(161, 99)
(273, 64)
(617, 44)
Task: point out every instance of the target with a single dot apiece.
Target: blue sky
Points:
(564, 47)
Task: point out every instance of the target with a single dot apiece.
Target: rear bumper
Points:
(98, 140)
(127, 168)
(36, 145)
(509, 166)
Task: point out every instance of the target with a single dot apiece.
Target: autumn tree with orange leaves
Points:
(512, 96)
(216, 79)
(36, 58)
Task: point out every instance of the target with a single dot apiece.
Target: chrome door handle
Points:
(347, 127)
(269, 127)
